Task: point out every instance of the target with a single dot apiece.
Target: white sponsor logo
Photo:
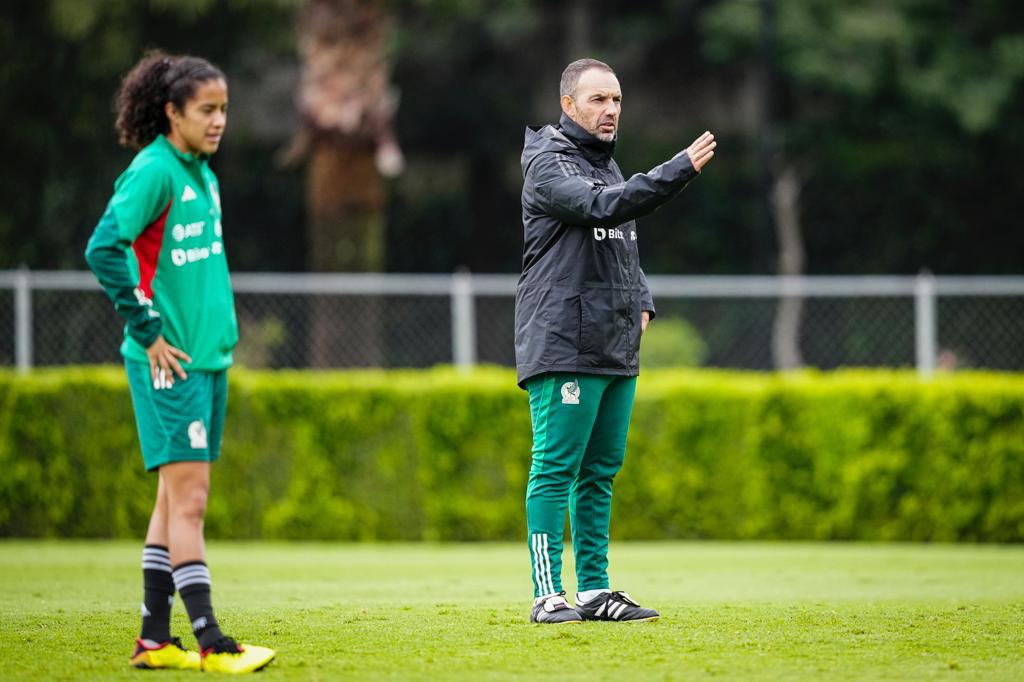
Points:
(217, 229)
(146, 301)
(197, 435)
(188, 194)
(141, 297)
(611, 233)
(199, 623)
(570, 393)
(180, 232)
(216, 248)
(181, 256)
(632, 235)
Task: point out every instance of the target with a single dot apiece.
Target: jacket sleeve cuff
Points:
(147, 332)
(686, 170)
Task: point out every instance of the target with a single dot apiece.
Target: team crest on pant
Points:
(570, 393)
(197, 435)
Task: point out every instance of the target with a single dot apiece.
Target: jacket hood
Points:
(564, 136)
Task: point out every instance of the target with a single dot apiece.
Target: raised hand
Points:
(702, 150)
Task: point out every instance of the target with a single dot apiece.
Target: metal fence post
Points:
(925, 328)
(463, 321)
(22, 320)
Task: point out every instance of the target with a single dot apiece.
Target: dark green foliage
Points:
(902, 116)
(438, 456)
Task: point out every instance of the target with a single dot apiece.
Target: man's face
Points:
(596, 105)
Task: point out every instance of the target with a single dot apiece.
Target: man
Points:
(581, 305)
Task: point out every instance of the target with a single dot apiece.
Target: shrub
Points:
(435, 455)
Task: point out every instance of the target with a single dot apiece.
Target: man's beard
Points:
(604, 137)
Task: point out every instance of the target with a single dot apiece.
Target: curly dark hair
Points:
(156, 79)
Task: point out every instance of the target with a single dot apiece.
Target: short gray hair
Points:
(571, 75)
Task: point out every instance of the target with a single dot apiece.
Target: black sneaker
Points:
(614, 606)
(554, 609)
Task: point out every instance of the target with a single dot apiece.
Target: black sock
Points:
(192, 579)
(157, 593)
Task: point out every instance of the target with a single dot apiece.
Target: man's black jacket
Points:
(579, 299)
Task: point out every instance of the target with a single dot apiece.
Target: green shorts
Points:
(183, 423)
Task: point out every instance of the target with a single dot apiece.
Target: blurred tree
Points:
(900, 120)
(469, 73)
(830, 73)
(346, 103)
(60, 64)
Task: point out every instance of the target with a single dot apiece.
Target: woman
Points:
(159, 254)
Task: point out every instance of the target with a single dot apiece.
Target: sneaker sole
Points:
(555, 622)
(254, 670)
(632, 620)
(144, 666)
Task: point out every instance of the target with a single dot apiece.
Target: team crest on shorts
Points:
(197, 435)
(570, 393)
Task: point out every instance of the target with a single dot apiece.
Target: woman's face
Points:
(199, 128)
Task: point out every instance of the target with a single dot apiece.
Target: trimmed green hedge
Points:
(439, 456)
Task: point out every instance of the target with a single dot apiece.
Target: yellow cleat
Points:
(169, 655)
(228, 657)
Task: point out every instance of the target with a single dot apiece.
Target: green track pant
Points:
(580, 423)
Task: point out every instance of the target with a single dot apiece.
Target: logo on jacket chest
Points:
(601, 234)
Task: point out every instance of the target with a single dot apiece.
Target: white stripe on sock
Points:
(180, 580)
(192, 581)
(156, 559)
(191, 575)
(190, 572)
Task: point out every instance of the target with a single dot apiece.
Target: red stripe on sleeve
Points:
(147, 250)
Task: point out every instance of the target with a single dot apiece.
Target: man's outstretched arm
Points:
(564, 192)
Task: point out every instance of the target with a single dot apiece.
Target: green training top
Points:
(158, 251)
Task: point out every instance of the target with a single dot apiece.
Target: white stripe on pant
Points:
(542, 564)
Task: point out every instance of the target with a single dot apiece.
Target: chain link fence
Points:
(380, 320)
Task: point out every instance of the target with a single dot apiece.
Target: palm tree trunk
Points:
(345, 198)
(347, 139)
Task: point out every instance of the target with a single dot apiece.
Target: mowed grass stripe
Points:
(730, 611)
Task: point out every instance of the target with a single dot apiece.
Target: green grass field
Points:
(729, 611)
